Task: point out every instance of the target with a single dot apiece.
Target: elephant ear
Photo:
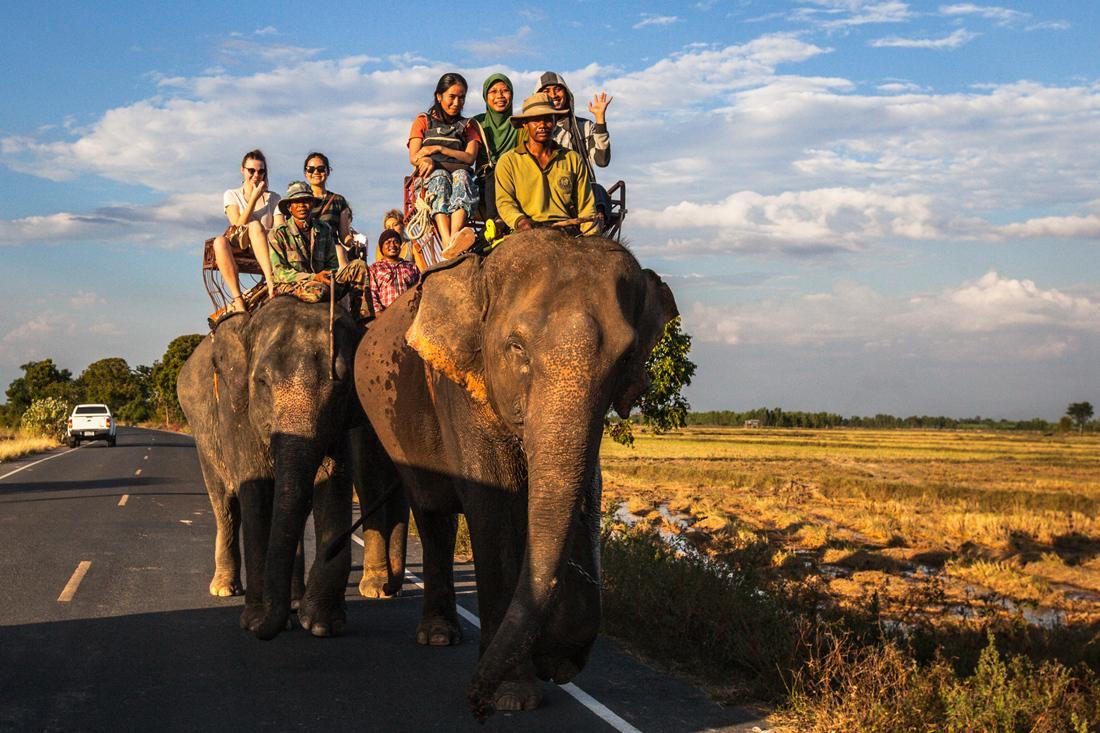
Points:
(231, 365)
(447, 329)
(658, 308)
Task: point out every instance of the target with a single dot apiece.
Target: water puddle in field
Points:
(673, 527)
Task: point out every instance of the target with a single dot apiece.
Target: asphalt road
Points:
(135, 642)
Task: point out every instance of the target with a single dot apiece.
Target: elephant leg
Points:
(256, 502)
(498, 540)
(397, 534)
(385, 538)
(384, 530)
(439, 620)
(227, 548)
(323, 611)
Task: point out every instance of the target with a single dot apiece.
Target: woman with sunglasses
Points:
(252, 211)
(331, 208)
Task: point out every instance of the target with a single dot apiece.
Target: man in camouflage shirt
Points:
(305, 260)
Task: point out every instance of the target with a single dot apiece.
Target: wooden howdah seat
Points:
(212, 278)
(421, 231)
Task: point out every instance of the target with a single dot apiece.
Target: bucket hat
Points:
(297, 191)
(537, 105)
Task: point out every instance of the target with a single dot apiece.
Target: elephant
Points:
(488, 384)
(273, 420)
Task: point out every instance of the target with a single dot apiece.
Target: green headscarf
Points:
(501, 136)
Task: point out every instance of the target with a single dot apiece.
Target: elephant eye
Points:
(515, 353)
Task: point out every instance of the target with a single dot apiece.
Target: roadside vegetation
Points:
(139, 395)
(864, 580)
(16, 444)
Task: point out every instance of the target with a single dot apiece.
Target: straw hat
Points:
(537, 105)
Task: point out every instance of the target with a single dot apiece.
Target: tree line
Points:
(134, 394)
(1078, 414)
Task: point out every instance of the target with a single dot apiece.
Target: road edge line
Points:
(42, 460)
(594, 706)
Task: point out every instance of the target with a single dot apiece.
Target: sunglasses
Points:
(316, 169)
(254, 171)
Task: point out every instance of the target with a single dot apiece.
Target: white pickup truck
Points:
(91, 422)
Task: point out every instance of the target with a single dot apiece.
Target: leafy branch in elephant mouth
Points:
(663, 406)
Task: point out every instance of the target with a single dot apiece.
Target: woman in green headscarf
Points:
(498, 134)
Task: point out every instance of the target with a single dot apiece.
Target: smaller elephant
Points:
(272, 411)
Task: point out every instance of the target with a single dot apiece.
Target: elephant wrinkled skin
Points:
(272, 427)
(488, 384)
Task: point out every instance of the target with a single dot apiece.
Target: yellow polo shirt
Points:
(562, 191)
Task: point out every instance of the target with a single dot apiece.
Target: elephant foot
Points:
(322, 619)
(378, 586)
(272, 625)
(438, 632)
(516, 695)
(224, 586)
(252, 616)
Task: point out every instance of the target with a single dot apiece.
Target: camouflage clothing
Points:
(296, 257)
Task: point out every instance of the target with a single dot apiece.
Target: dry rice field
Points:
(926, 522)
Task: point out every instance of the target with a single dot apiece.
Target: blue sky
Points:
(861, 206)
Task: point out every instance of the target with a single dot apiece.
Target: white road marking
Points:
(137, 472)
(187, 521)
(123, 500)
(74, 582)
(145, 457)
(43, 460)
(601, 711)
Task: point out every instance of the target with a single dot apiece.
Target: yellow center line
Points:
(74, 582)
(123, 500)
(137, 472)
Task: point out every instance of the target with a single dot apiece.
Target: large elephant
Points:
(488, 384)
(272, 411)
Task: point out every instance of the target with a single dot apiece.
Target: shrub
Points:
(46, 417)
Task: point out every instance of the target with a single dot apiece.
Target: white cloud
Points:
(178, 220)
(954, 40)
(1055, 227)
(841, 14)
(813, 221)
(797, 163)
(993, 318)
(649, 19)
(900, 87)
(1002, 16)
(498, 47)
(1050, 25)
(267, 30)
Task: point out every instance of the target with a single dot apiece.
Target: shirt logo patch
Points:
(565, 184)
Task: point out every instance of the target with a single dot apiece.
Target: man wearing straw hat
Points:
(540, 183)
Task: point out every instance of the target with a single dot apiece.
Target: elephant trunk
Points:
(562, 444)
(296, 462)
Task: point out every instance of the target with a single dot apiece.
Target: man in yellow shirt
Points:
(539, 182)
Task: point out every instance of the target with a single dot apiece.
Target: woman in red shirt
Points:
(443, 147)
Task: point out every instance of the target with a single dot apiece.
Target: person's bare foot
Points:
(237, 305)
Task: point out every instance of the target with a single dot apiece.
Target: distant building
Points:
(752, 423)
